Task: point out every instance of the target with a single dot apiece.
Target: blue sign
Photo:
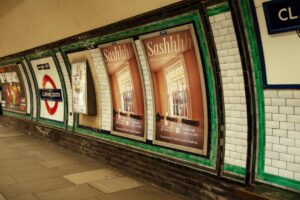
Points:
(51, 94)
(282, 15)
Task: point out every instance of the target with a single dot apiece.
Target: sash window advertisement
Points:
(126, 88)
(179, 89)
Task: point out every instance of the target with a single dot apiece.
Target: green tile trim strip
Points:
(40, 54)
(290, 183)
(147, 147)
(194, 18)
(18, 115)
(52, 123)
(10, 61)
(248, 23)
(235, 169)
(218, 9)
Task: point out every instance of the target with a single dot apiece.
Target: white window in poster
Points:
(79, 87)
(48, 80)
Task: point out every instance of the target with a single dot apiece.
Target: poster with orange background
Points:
(179, 89)
(126, 89)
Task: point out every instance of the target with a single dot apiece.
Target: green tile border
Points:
(290, 183)
(212, 11)
(52, 123)
(29, 87)
(193, 17)
(18, 115)
(253, 48)
(235, 169)
(218, 9)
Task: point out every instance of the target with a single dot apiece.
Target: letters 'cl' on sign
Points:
(282, 15)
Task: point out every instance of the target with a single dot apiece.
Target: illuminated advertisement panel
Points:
(79, 87)
(126, 88)
(13, 90)
(179, 89)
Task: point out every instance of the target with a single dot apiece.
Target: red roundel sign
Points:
(48, 79)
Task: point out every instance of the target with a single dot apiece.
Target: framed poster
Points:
(126, 88)
(179, 89)
(50, 89)
(83, 89)
(13, 89)
(93, 120)
(79, 87)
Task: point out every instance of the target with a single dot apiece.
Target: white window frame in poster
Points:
(127, 70)
(190, 27)
(186, 92)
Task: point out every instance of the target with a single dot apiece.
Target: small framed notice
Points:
(82, 88)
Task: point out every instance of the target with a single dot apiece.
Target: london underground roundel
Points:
(51, 110)
(49, 88)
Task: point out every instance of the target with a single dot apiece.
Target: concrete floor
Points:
(31, 169)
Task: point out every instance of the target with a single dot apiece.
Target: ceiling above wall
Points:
(26, 24)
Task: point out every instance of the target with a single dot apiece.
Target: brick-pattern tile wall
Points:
(34, 101)
(28, 100)
(282, 150)
(148, 90)
(103, 82)
(68, 87)
(234, 90)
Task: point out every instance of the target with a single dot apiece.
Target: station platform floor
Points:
(32, 168)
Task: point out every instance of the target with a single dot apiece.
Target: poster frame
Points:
(23, 81)
(23, 115)
(91, 107)
(190, 27)
(118, 133)
(86, 86)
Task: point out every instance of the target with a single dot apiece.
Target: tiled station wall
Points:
(282, 150)
(282, 107)
(148, 91)
(68, 88)
(233, 89)
(27, 91)
(103, 82)
(34, 100)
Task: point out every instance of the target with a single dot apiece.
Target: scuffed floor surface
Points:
(31, 169)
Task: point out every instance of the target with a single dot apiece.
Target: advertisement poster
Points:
(13, 89)
(126, 86)
(179, 90)
(93, 116)
(50, 89)
(79, 87)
